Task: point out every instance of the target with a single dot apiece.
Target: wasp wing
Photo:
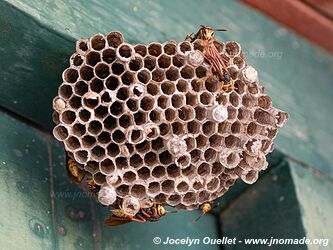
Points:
(113, 221)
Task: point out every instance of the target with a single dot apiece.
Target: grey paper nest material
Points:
(152, 120)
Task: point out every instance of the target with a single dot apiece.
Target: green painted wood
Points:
(290, 202)
(38, 37)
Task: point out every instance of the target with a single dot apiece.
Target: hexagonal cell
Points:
(75, 102)
(190, 143)
(232, 141)
(165, 129)
(92, 58)
(170, 48)
(76, 60)
(136, 63)
(196, 155)
(154, 188)
(232, 113)
(113, 149)
(72, 143)
(151, 159)
(126, 120)
(200, 113)
(153, 89)
(88, 141)
(183, 161)
(121, 163)
(118, 136)
(86, 73)
(128, 78)
(115, 39)
(155, 49)
(187, 72)
(201, 72)
(138, 191)
(253, 88)
(253, 129)
(239, 61)
(173, 171)
(112, 82)
(96, 85)
(178, 60)
(117, 68)
(158, 75)
(172, 74)
(104, 137)
(141, 49)
(143, 147)
(186, 113)
(101, 112)
(217, 168)
(193, 127)
(70, 75)
(190, 171)
(210, 155)
(82, 46)
(68, 116)
(80, 88)
(189, 198)
(203, 197)
(95, 127)
(182, 186)
(201, 141)
(147, 103)
(92, 167)
(178, 128)
(132, 105)
(204, 169)
(168, 88)
(185, 46)
(174, 199)
(129, 176)
(213, 184)
(140, 118)
(144, 76)
(219, 46)
(60, 132)
(65, 91)
(232, 48)
(249, 101)
(158, 144)
(122, 190)
(125, 51)
(165, 157)
(206, 98)
(209, 128)
(178, 100)
(168, 186)
(164, 61)
(107, 167)
(244, 114)
(90, 100)
(158, 172)
(97, 153)
(78, 129)
(117, 108)
(110, 123)
(155, 115)
(163, 101)
(144, 173)
(109, 55)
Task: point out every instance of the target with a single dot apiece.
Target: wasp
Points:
(205, 208)
(213, 56)
(92, 186)
(150, 214)
(74, 173)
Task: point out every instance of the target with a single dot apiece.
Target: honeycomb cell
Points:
(86, 73)
(122, 190)
(72, 143)
(147, 103)
(210, 155)
(88, 141)
(78, 129)
(155, 49)
(144, 173)
(130, 177)
(80, 88)
(97, 153)
(144, 76)
(189, 198)
(183, 161)
(185, 46)
(138, 191)
(172, 74)
(151, 159)
(174, 199)
(186, 113)
(60, 132)
(187, 72)
(92, 167)
(170, 48)
(124, 52)
(107, 167)
(82, 46)
(65, 91)
(114, 39)
(209, 128)
(178, 60)
(140, 49)
(76, 60)
(68, 117)
(177, 100)
(154, 188)
(143, 147)
(158, 172)
(109, 55)
(70, 75)
(232, 48)
(164, 61)
(92, 58)
(168, 186)
(206, 98)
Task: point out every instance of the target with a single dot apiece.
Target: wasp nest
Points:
(151, 121)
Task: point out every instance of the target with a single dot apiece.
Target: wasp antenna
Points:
(173, 212)
(194, 221)
(216, 205)
(221, 30)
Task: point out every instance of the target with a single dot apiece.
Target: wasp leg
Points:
(139, 218)
(144, 213)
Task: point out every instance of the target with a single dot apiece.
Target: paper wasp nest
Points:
(152, 120)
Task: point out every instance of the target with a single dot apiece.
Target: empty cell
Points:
(129, 176)
(147, 103)
(93, 58)
(232, 160)
(109, 55)
(168, 186)
(213, 184)
(68, 117)
(158, 75)
(232, 141)
(184, 160)
(118, 136)
(151, 159)
(282, 118)
(95, 127)
(138, 191)
(190, 143)
(160, 198)
(187, 72)
(110, 123)
(232, 48)
(99, 178)
(92, 167)
(215, 141)
(155, 49)
(70, 75)
(96, 85)
(144, 173)
(91, 100)
(232, 113)
(224, 127)
(144, 76)
(117, 108)
(165, 129)
(154, 187)
(78, 129)
(117, 68)
(178, 60)
(265, 118)
(219, 46)
(239, 87)
(201, 141)
(178, 128)
(60, 132)
(141, 49)
(189, 198)
(158, 172)
(104, 137)
(249, 101)
(178, 100)
(174, 199)
(126, 121)
(182, 187)
(165, 158)
(185, 46)
(150, 63)
(143, 147)
(80, 88)
(173, 171)
(170, 48)
(253, 88)
(221, 99)
(140, 118)
(97, 153)
(122, 190)
(136, 63)
(152, 88)
(113, 149)
(88, 141)
(123, 93)
(204, 169)
(244, 114)
(217, 168)
(264, 102)
(197, 183)
(114, 39)
(82, 45)
(253, 129)
(210, 155)
(102, 70)
(168, 88)
(97, 42)
(164, 61)
(107, 167)
(125, 51)
(101, 112)
(209, 128)
(182, 85)
(163, 101)
(75, 102)
(190, 171)
(112, 82)
(121, 163)
(272, 133)
(86, 73)
(234, 99)
(135, 135)
(203, 197)
(65, 91)
(170, 114)
(193, 127)
(206, 98)
(155, 115)
(172, 74)
(72, 143)
(158, 144)
(236, 127)
(239, 61)
(76, 60)
(250, 177)
(200, 113)
(195, 155)
(201, 72)
(186, 113)
(132, 105)
(81, 156)
(55, 117)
